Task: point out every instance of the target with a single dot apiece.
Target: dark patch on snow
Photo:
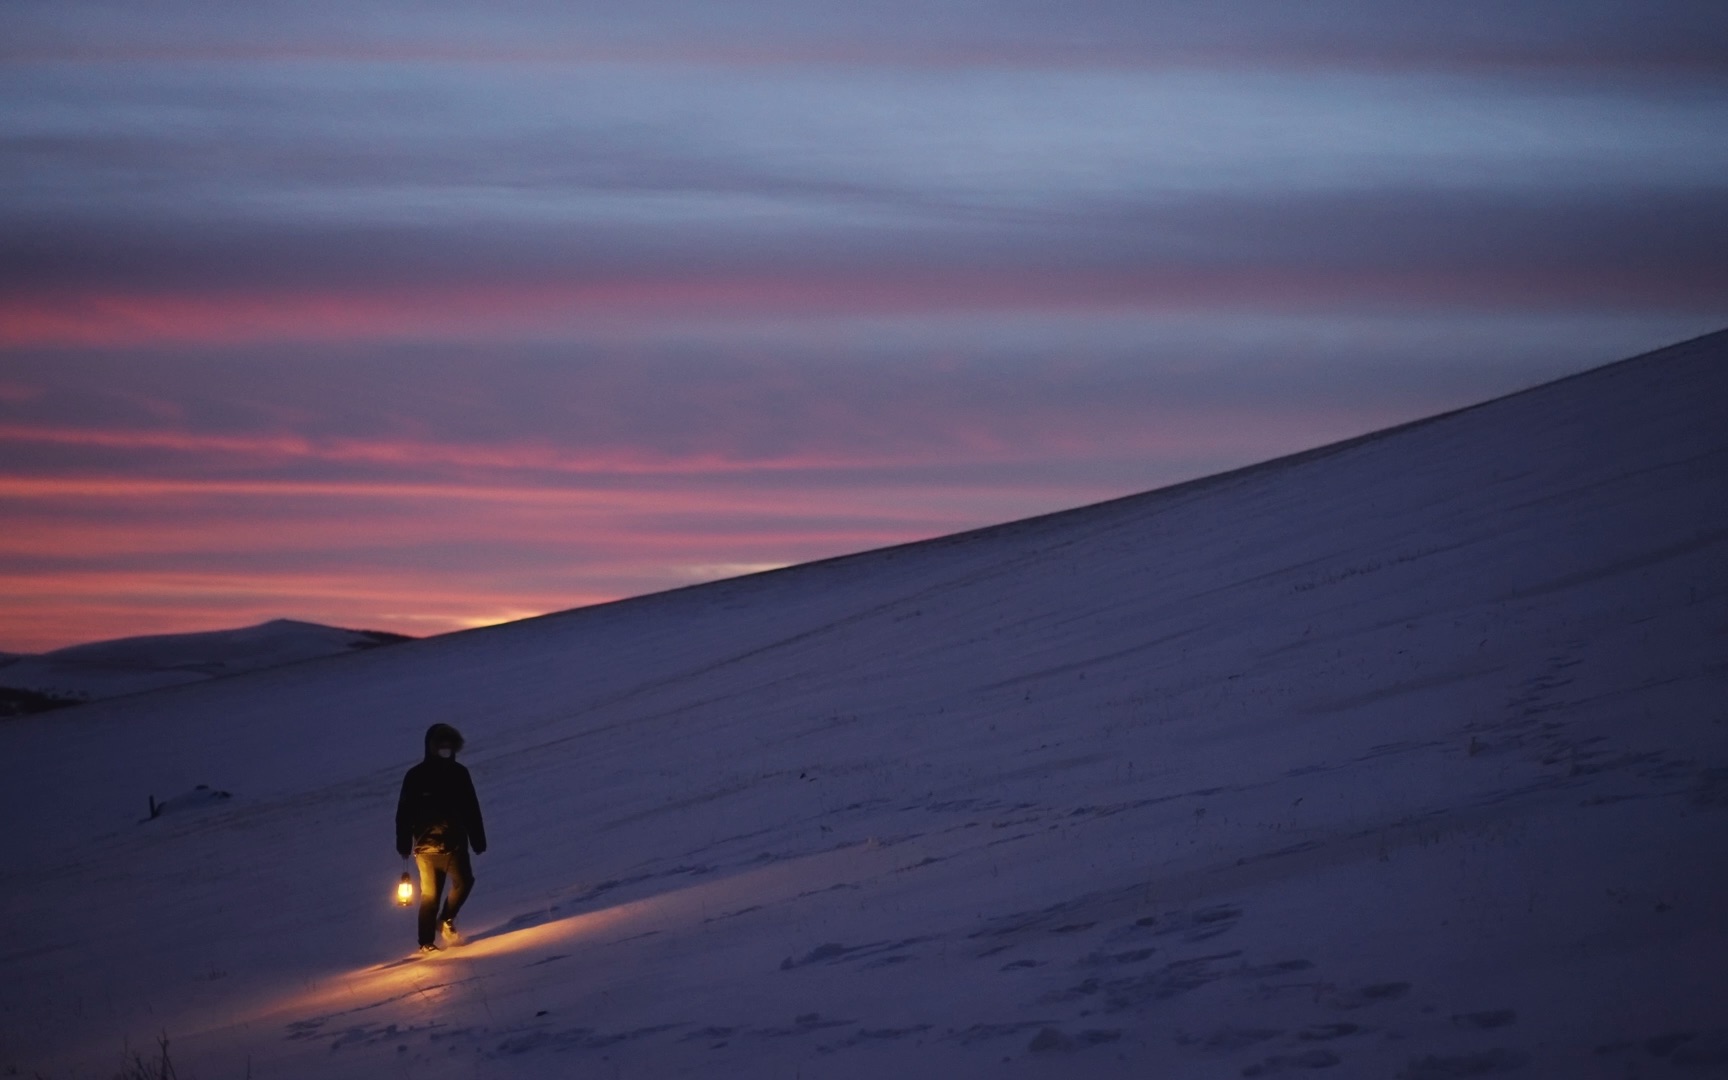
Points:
(1609, 800)
(878, 842)
(1486, 1063)
(25, 954)
(464, 1033)
(1712, 790)
(830, 951)
(1132, 956)
(1663, 1045)
(1068, 916)
(1581, 767)
(1172, 980)
(833, 952)
(802, 1024)
(955, 805)
(877, 1035)
(362, 1034)
(981, 1032)
(1307, 1059)
(566, 1039)
(1049, 1039)
(1703, 1051)
(733, 914)
(709, 1034)
(1323, 1032)
(1279, 853)
(1199, 925)
(891, 1033)
(17, 702)
(1619, 566)
(1054, 1039)
(1228, 1040)
(605, 887)
(1372, 994)
(1488, 1018)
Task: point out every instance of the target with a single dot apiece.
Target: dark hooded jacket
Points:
(438, 810)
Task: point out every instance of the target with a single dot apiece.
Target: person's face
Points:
(445, 751)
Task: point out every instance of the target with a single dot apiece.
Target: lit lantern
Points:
(404, 890)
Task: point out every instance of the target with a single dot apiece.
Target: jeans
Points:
(436, 868)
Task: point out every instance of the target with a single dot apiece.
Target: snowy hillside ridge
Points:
(106, 669)
(1406, 758)
(1703, 346)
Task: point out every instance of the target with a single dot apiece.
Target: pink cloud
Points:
(222, 572)
(108, 556)
(149, 530)
(554, 309)
(418, 453)
(966, 436)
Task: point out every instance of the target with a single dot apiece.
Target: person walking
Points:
(437, 821)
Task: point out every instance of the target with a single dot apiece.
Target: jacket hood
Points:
(442, 735)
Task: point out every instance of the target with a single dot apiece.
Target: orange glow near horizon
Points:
(137, 505)
(207, 556)
(421, 537)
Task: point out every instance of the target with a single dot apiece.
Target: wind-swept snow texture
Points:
(1406, 757)
(104, 669)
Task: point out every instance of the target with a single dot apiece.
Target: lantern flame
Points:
(404, 890)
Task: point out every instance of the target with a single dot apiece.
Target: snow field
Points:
(1407, 757)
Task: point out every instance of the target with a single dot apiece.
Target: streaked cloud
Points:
(1255, 33)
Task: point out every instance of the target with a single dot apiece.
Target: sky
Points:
(418, 317)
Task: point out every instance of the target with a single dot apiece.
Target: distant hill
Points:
(105, 669)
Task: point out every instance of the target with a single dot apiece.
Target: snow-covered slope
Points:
(1404, 757)
(105, 669)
